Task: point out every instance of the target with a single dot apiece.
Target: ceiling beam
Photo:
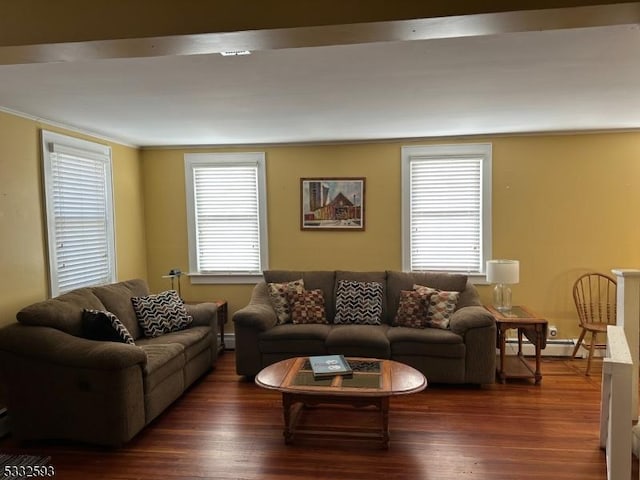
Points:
(30, 22)
(74, 30)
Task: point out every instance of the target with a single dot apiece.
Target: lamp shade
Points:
(503, 271)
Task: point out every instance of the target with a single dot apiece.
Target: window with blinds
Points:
(446, 208)
(79, 211)
(226, 206)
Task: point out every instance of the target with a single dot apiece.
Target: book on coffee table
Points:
(329, 365)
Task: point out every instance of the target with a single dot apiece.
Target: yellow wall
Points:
(562, 204)
(23, 272)
(131, 248)
(23, 247)
(289, 248)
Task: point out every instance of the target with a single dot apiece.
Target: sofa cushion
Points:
(442, 304)
(163, 360)
(433, 342)
(104, 326)
(359, 341)
(322, 279)
(308, 307)
(161, 313)
(204, 314)
(279, 294)
(413, 308)
(116, 298)
(63, 312)
(194, 340)
(398, 281)
(295, 339)
(359, 303)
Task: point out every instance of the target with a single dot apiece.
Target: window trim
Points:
(52, 142)
(482, 150)
(198, 159)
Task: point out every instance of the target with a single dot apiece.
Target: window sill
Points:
(474, 278)
(479, 279)
(224, 278)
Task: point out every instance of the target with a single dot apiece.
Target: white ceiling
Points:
(554, 80)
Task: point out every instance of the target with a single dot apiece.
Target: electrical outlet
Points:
(553, 331)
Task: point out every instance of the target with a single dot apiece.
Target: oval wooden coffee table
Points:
(373, 382)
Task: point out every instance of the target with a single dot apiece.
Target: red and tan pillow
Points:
(412, 310)
(307, 307)
(279, 294)
(441, 305)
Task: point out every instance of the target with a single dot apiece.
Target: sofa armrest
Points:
(46, 344)
(470, 317)
(204, 314)
(249, 324)
(478, 328)
(63, 387)
(259, 314)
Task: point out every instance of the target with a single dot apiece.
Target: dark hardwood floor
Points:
(225, 427)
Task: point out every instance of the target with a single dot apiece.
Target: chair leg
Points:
(594, 336)
(578, 343)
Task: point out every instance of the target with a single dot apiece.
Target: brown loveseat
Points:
(463, 353)
(60, 385)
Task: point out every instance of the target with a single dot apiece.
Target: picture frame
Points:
(332, 203)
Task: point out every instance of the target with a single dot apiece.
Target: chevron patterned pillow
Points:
(358, 303)
(442, 304)
(104, 326)
(161, 313)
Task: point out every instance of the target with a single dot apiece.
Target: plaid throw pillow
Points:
(442, 304)
(308, 307)
(412, 310)
(279, 296)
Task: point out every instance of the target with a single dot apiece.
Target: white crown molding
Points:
(69, 128)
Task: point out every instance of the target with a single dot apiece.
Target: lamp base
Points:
(502, 298)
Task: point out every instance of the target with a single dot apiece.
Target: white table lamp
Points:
(503, 273)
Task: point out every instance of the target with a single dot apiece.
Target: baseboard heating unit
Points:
(556, 347)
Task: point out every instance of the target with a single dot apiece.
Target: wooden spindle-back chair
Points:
(595, 297)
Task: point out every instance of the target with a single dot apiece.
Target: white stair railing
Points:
(615, 406)
(628, 317)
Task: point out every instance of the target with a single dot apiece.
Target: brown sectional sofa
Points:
(60, 385)
(464, 353)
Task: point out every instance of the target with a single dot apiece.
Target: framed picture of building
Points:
(332, 203)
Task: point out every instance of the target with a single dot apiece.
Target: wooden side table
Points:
(223, 318)
(533, 327)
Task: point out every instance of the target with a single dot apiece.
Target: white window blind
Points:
(446, 208)
(227, 219)
(78, 189)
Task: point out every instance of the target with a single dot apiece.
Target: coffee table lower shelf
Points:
(293, 405)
